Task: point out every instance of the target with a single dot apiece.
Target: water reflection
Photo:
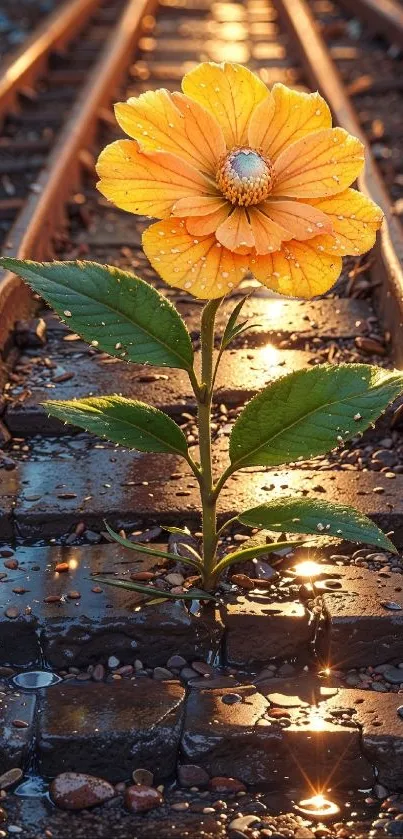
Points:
(318, 807)
(33, 787)
(35, 679)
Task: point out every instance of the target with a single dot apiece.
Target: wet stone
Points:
(382, 731)
(15, 740)
(241, 741)
(109, 625)
(77, 791)
(109, 730)
(258, 630)
(90, 470)
(359, 630)
(234, 385)
(190, 775)
(141, 799)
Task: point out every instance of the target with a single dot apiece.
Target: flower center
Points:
(245, 176)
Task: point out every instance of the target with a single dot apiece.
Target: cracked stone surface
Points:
(109, 730)
(258, 630)
(246, 741)
(88, 629)
(359, 630)
(16, 728)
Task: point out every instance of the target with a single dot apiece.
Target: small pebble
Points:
(143, 777)
(392, 605)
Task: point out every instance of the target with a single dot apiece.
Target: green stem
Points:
(223, 480)
(208, 499)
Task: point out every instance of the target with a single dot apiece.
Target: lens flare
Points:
(308, 568)
(318, 807)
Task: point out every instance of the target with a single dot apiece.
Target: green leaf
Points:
(136, 546)
(112, 309)
(231, 328)
(191, 594)
(308, 515)
(125, 421)
(309, 412)
(181, 531)
(249, 553)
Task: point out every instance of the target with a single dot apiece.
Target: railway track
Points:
(58, 487)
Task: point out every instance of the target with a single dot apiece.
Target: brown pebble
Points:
(277, 712)
(140, 799)
(11, 564)
(221, 784)
(143, 777)
(369, 345)
(190, 775)
(20, 590)
(180, 805)
(76, 791)
(20, 724)
(98, 673)
(243, 581)
(12, 612)
(8, 779)
(73, 595)
(97, 590)
(125, 670)
(142, 576)
(52, 598)
(62, 567)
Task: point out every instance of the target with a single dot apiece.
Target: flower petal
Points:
(200, 266)
(286, 117)
(318, 165)
(297, 270)
(200, 206)
(355, 219)
(267, 232)
(301, 220)
(203, 225)
(236, 232)
(228, 91)
(147, 183)
(161, 121)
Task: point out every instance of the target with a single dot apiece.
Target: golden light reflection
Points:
(73, 564)
(316, 721)
(271, 355)
(308, 568)
(318, 807)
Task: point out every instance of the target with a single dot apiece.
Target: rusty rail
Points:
(43, 212)
(323, 74)
(385, 17)
(30, 60)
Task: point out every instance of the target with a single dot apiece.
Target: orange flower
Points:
(243, 179)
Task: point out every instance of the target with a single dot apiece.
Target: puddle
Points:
(35, 679)
(32, 787)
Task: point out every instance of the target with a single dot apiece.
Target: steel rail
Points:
(30, 60)
(323, 74)
(385, 17)
(43, 213)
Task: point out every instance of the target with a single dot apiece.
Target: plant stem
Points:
(204, 421)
